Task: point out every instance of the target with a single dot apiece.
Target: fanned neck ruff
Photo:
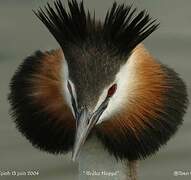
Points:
(122, 29)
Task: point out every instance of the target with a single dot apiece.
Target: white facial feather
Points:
(65, 78)
(126, 81)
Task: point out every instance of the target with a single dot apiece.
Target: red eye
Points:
(112, 90)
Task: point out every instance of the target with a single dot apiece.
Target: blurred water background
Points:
(21, 34)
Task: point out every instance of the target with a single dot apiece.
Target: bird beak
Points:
(85, 122)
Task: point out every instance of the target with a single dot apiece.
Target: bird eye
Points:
(112, 90)
(72, 99)
(69, 87)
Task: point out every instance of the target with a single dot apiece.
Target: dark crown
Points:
(121, 30)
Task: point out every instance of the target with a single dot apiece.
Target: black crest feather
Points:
(121, 29)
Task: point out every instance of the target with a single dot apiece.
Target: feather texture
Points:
(37, 105)
(141, 127)
(121, 30)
